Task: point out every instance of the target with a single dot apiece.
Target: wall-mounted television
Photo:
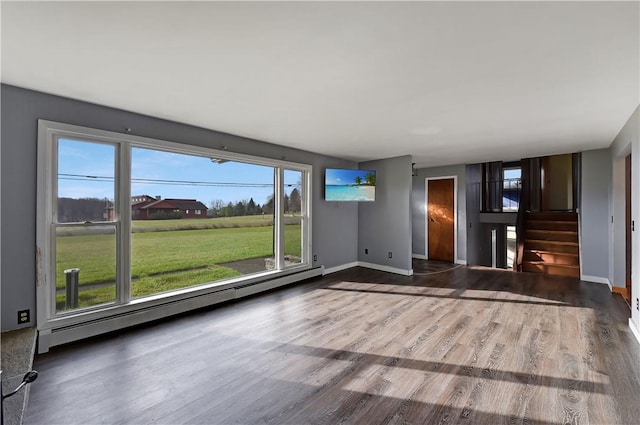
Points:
(349, 185)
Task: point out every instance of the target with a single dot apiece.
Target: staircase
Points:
(551, 244)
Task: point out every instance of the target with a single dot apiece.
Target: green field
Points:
(204, 223)
(167, 254)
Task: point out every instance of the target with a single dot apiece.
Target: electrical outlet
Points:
(315, 257)
(366, 251)
(24, 316)
(390, 254)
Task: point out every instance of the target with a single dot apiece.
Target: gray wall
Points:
(385, 225)
(594, 213)
(335, 227)
(418, 208)
(476, 243)
(559, 181)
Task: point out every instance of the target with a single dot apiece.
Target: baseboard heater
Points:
(48, 338)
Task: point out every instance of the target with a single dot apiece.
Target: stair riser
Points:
(550, 216)
(553, 225)
(551, 236)
(552, 258)
(551, 269)
(550, 247)
(551, 244)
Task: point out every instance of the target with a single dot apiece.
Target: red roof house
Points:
(145, 207)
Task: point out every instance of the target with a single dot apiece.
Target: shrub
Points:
(163, 215)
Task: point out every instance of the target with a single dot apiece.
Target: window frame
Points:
(508, 166)
(48, 134)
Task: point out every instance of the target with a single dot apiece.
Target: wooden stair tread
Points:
(533, 220)
(562, 232)
(566, 270)
(544, 251)
(546, 241)
(552, 225)
(543, 263)
(551, 244)
(551, 257)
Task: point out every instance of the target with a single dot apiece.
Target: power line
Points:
(108, 179)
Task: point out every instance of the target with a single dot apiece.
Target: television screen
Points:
(349, 185)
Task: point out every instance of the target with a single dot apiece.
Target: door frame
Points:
(628, 220)
(455, 215)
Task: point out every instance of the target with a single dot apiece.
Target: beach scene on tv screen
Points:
(350, 185)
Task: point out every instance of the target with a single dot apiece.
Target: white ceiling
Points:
(447, 82)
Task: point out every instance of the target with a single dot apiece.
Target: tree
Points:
(267, 208)
(358, 180)
(251, 207)
(83, 209)
(370, 178)
(226, 211)
(216, 205)
(240, 208)
(295, 203)
(285, 206)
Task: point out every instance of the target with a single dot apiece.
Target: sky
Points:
(87, 169)
(337, 177)
(512, 173)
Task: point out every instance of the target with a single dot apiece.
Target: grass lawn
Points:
(150, 285)
(203, 223)
(163, 260)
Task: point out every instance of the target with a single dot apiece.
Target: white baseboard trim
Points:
(424, 257)
(340, 268)
(50, 337)
(596, 279)
(385, 268)
(634, 329)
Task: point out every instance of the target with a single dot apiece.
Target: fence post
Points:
(72, 276)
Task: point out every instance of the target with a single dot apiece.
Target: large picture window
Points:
(124, 219)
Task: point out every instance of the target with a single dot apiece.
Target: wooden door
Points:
(440, 219)
(628, 225)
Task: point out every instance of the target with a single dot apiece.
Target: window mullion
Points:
(52, 215)
(306, 223)
(279, 217)
(123, 194)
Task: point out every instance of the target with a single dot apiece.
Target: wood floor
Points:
(464, 346)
